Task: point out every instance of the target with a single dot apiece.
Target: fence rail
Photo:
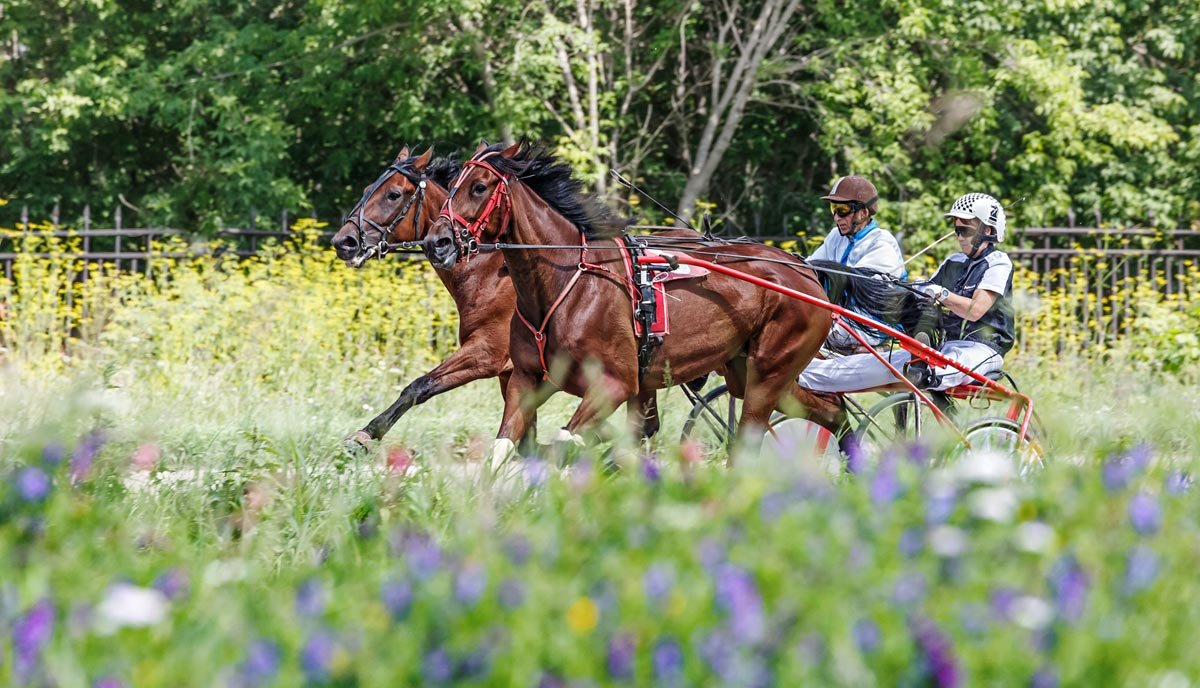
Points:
(1053, 252)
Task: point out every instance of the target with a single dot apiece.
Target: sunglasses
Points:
(842, 209)
(964, 230)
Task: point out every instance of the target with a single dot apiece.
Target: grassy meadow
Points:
(177, 509)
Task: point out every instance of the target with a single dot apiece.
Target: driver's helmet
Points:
(854, 189)
(983, 207)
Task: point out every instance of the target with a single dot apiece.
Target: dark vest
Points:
(997, 327)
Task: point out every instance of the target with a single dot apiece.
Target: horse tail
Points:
(861, 290)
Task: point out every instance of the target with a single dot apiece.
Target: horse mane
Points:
(441, 171)
(551, 179)
(860, 290)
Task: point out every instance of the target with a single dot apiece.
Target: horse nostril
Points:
(442, 243)
(347, 243)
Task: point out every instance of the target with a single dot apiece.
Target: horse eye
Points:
(478, 188)
(393, 195)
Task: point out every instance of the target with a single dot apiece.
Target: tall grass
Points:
(177, 508)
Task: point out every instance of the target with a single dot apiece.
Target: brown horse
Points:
(569, 280)
(399, 207)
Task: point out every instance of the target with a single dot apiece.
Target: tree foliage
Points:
(198, 113)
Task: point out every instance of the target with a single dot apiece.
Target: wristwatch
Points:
(942, 296)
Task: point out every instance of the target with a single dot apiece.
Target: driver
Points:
(858, 241)
(973, 285)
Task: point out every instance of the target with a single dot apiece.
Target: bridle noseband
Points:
(467, 235)
(418, 197)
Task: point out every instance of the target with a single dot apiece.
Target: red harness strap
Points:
(539, 333)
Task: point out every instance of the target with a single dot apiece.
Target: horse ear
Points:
(402, 154)
(512, 150)
(423, 161)
(482, 144)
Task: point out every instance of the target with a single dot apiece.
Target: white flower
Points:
(128, 605)
(984, 467)
(947, 541)
(1035, 536)
(222, 572)
(1032, 612)
(993, 504)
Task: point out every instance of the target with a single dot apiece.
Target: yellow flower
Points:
(582, 615)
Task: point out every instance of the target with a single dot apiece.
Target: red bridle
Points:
(468, 234)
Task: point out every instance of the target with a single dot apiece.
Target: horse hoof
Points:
(358, 441)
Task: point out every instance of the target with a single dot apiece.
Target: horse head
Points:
(391, 209)
(477, 208)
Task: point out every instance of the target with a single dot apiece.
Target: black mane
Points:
(441, 171)
(550, 178)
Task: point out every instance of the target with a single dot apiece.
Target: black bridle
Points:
(356, 217)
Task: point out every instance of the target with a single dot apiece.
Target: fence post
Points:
(1096, 214)
(25, 218)
(54, 216)
(283, 226)
(87, 240)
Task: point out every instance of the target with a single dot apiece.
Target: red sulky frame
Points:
(1021, 406)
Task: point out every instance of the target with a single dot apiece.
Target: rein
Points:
(358, 219)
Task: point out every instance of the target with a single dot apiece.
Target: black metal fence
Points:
(1111, 257)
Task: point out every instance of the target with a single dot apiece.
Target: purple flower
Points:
(261, 663)
(711, 554)
(317, 655)
(1069, 584)
(1002, 600)
(940, 661)
(1118, 471)
(437, 667)
(85, 455)
(1144, 513)
(53, 454)
(310, 598)
(717, 650)
(1046, 677)
(1141, 569)
(773, 505)
(30, 635)
(1178, 482)
(912, 541)
(108, 682)
(173, 583)
(424, 556)
(918, 453)
(856, 456)
(738, 596)
(909, 589)
(470, 583)
(940, 505)
(518, 549)
(397, 596)
(621, 655)
(536, 472)
(511, 593)
(885, 485)
(1140, 455)
(974, 619)
(866, 636)
(650, 470)
(33, 485)
(657, 583)
(667, 659)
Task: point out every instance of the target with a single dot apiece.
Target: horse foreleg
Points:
(602, 398)
(522, 397)
(527, 446)
(823, 408)
(468, 364)
(645, 413)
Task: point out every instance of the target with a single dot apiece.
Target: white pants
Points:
(860, 372)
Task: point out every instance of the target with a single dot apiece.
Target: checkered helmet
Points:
(982, 207)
